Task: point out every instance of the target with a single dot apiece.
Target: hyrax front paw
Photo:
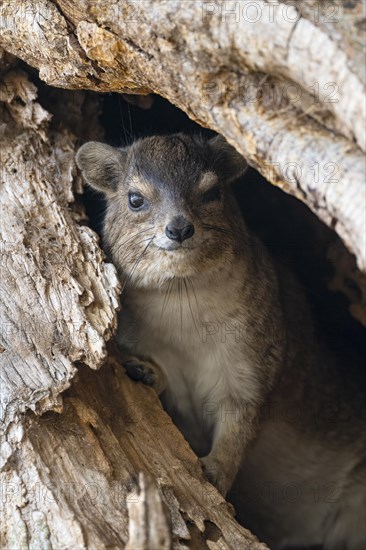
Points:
(215, 471)
(146, 372)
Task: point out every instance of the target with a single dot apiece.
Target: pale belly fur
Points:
(196, 346)
(297, 491)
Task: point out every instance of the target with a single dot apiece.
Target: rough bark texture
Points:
(71, 476)
(108, 469)
(283, 82)
(58, 297)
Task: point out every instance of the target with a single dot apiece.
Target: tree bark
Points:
(72, 480)
(112, 471)
(106, 468)
(282, 81)
(59, 299)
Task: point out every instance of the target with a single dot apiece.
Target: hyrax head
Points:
(170, 212)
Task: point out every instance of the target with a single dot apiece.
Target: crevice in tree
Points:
(287, 226)
(289, 230)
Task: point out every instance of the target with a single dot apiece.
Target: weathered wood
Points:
(74, 479)
(71, 477)
(58, 297)
(108, 469)
(283, 82)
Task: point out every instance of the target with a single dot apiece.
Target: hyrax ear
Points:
(228, 163)
(102, 166)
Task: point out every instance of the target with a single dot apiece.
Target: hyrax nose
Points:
(179, 229)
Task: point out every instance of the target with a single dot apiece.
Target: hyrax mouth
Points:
(176, 248)
(173, 246)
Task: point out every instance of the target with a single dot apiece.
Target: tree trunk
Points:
(72, 479)
(105, 467)
(283, 81)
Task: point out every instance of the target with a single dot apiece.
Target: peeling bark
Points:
(106, 468)
(58, 297)
(72, 480)
(283, 83)
(112, 471)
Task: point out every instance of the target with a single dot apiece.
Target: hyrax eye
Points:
(135, 200)
(213, 194)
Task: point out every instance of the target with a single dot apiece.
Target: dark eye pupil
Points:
(213, 194)
(136, 200)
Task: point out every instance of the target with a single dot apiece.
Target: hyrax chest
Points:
(196, 336)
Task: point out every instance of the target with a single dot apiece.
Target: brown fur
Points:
(234, 394)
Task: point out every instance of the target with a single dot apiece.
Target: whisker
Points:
(217, 228)
(128, 135)
(171, 288)
(130, 121)
(133, 236)
(190, 307)
(181, 308)
(195, 297)
(136, 264)
(123, 258)
(166, 297)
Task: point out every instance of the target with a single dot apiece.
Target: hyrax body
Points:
(227, 338)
